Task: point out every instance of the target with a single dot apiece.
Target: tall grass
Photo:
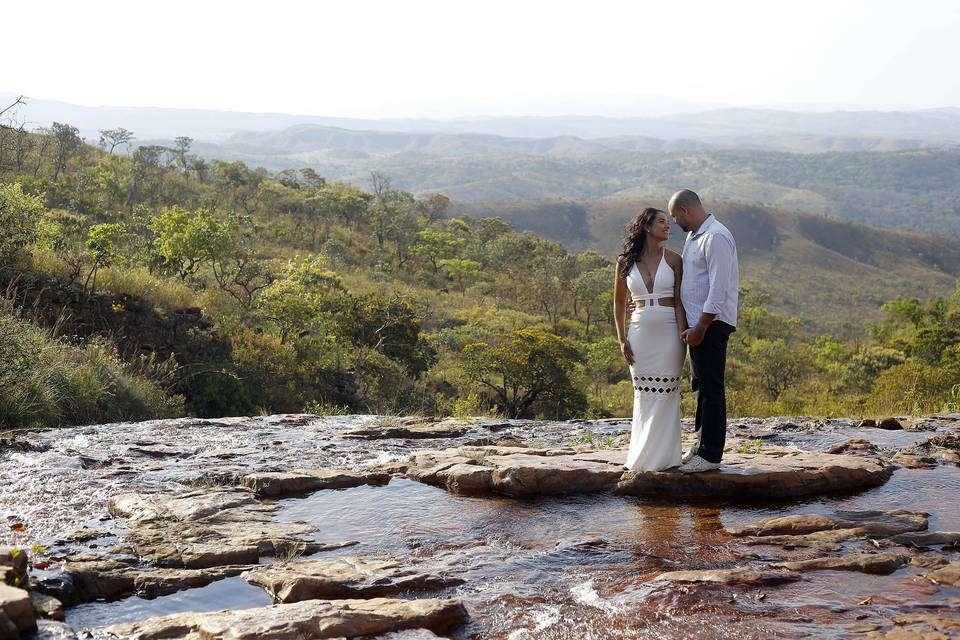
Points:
(47, 382)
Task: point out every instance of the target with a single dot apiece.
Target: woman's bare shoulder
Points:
(674, 259)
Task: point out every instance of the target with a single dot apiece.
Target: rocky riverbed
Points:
(301, 526)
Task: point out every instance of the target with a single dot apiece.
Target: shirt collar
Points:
(703, 227)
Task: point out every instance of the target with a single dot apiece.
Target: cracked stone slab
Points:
(776, 474)
(298, 482)
(343, 578)
(316, 619)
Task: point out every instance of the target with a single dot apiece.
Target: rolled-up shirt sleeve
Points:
(719, 253)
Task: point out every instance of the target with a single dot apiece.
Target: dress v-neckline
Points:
(653, 288)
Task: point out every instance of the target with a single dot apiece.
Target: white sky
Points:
(372, 58)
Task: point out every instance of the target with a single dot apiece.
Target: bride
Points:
(650, 275)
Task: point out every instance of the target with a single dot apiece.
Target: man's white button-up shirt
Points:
(711, 275)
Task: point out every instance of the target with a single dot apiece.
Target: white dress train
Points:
(658, 356)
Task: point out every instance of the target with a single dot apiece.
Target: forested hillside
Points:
(159, 283)
(809, 263)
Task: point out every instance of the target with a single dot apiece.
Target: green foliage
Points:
(49, 382)
(523, 367)
(20, 214)
(314, 295)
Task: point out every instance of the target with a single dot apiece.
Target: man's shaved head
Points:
(686, 210)
(685, 199)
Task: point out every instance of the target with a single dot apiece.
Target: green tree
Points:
(67, 140)
(593, 291)
(104, 242)
(437, 246)
(522, 367)
(463, 272)
(186, 239)
(110, 139)
(19, 215)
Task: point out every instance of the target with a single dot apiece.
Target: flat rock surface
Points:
(734, 575)
(90, 579)
(870, 522)
(873, 563)
(517, 472)
(276, 484)
(308, 619)
(776, 474)
(208, 528)
(343, 578)
(949, 574)
(411, 429)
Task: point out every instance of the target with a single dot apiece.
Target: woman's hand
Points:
(627, 352)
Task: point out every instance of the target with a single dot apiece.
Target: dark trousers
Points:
(708, 361)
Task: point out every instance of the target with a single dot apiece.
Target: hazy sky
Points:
(452, 57)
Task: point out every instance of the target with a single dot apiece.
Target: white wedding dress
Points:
(658, 356)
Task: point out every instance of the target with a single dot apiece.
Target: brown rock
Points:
(16, 612)
(411, 429)
(872, 523)
(315, 619)
(735, 575)
(949, 574)
(874, 563)
(342, 578)
(276, 484)
(108, 579)
(927, 626)
(46, 606)
(208, 528)
(517, 472)
(890, 424)
(867, 423)
(927, 539)
(855, 445)
(777, 473)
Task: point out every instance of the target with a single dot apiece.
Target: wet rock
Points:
(16, 612)
(928, 561)
(855, 446)
(308, 619)
(949, 574)
(208, 528)
(928, 539)
(17, 561)
(873, 563)
(411, 429)
(929, 626)
(84, 535)
(867, 423)
(46, 606)
(877, 524)
(777, 473)
(275, 484)
(938, 449)
(914, 461)
(517, 472)
(91, 579)
(890, 424)
(735, 575)
(155, 450)
(343, 578)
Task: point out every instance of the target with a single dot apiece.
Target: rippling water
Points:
(570, 567)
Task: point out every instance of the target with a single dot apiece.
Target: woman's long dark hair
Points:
(635, 239)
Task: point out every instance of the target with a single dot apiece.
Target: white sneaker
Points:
(688, 456)
(699, 465)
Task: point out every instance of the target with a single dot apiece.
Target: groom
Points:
(711, 279)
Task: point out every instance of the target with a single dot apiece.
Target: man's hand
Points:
(627, 352)
(693, 336)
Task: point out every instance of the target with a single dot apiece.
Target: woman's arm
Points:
(619, 307)
(677, 303)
